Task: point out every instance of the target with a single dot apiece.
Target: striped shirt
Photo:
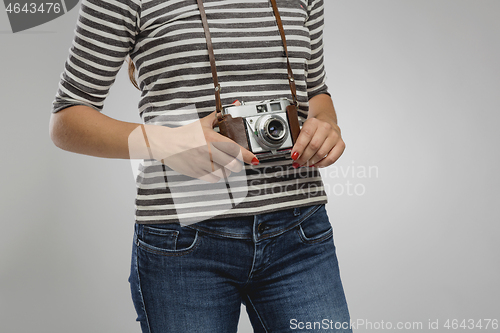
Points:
(166, 42)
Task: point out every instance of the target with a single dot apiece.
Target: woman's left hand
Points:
(320, 142)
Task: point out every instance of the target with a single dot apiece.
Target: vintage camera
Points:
(268, 128)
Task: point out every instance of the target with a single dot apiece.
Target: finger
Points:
(228, 161)
(219, 141)
(224, 172)
(305, 136)
(323, 151)
(198, 157)
(332, 156)
(230, 148)
(221, 172)
(221, 158)
(316, 142)
(193, 170)
(218, 171)
(208, 165)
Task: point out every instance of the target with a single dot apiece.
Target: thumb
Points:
(210, 120)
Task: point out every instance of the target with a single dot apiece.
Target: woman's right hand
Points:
(195, 150)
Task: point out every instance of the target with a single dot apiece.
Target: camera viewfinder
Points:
(261, 108)
(275, 107)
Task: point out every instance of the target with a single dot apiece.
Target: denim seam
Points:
(250, 275)
(218, 233)
(257, 313)
(253, 263)
(305, 240)
(279, 232)
(161, 233)
(143, 304)
(145, 247)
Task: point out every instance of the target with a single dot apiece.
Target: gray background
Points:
(416, 86)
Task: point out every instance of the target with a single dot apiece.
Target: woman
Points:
(203, 246)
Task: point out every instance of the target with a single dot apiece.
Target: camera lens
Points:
(271, 131)
(275, 129)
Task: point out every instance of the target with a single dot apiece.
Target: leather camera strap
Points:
(218, 103)
(211, 55)
(291, 79)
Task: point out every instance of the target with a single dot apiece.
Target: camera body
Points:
(269, 132)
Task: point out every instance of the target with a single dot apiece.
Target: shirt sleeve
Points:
(104, 35)
(316, 75)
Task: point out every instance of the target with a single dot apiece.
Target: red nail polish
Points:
(255, 161)
(295, 165)
(295, 155)
(311, 166)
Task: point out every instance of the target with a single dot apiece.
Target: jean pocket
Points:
(316, 228)
(167, 239)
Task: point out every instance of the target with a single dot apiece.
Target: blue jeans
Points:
(281, 265)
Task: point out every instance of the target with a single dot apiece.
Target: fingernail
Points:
(295, 155)
(295, 165)
(255, 161)
(311, 166)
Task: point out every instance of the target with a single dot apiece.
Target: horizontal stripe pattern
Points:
(166, 42)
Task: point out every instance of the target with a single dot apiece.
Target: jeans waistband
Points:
(257, 226)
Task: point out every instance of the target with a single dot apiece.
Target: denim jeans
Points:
(281, 265)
